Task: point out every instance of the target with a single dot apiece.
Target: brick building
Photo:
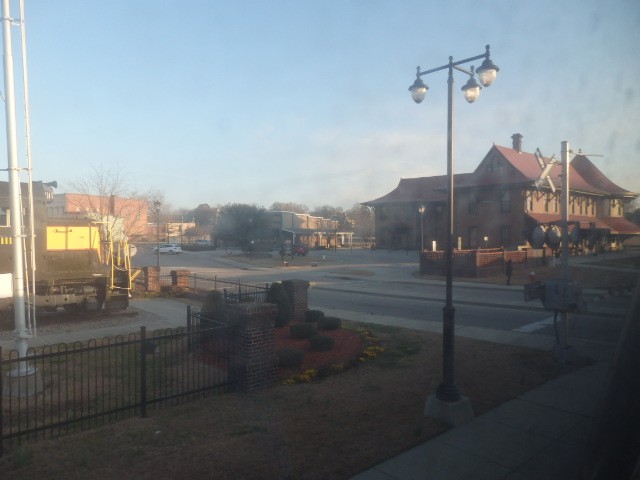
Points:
(499, 205)
(302, 228)
(127, 215)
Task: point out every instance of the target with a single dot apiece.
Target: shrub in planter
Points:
(313, 316)
(213, 313)
(329, 323)
(289, 357)
(279, 297)
(302, 330)
(322, 343)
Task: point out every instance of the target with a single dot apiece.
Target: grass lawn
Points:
(332, 428)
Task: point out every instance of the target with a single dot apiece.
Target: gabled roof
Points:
(417, 190)
(505, 167)
(584, 176)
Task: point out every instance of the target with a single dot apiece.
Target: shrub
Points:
(213, 312)
(302, 330)
(321, 343)
(289, 357)
(279, 297)
(313, 316)
(329, 323)
(213, 305)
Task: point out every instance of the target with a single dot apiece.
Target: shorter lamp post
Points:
(157, 205)
(422, 210)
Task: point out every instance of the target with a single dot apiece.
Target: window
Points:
(494, 164)
(505, 201)
(547, 200)
(4, 217)
(473, 237)
(505, 235)
(473, 204)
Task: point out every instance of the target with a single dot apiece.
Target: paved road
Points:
(383, 284)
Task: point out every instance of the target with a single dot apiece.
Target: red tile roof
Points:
(584, 176)
(516, 168)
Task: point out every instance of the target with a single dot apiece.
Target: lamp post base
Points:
(452, 413)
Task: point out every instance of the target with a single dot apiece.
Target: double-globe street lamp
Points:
(448, 404)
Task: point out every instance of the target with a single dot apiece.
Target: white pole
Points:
(27, 119)
(20, 331)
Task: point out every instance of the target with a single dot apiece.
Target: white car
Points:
(171, 248)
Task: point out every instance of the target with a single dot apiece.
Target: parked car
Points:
(300, 250)
(202, 243)
(170, 248)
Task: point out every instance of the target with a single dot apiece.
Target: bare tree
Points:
(363, 221)
(288, 207)
(106, 197)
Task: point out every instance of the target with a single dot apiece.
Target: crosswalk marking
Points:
(535, 325)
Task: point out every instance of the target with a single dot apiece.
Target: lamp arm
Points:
(454, 65)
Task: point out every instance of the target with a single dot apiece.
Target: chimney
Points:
(517, 142)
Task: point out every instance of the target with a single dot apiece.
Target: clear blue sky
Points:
(213, 101)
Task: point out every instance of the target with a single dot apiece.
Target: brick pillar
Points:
(151, 279)
(298, 293)
(181, 278)
(255, 364)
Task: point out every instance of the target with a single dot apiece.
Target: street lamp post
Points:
(448, 404)
(422, 209)
(157, 205)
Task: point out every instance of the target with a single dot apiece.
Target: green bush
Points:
(302, 330)
(313, 316)
(279, 297)
(329, 323)
(289, 357)
(321, 343)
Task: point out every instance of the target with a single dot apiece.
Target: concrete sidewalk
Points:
(165, 313)
(542, 434)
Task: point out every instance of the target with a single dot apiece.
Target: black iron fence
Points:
(61, 389)
(233, 291)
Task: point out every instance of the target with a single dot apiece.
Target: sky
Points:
(220, 101)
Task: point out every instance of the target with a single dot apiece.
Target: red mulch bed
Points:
(348, 346)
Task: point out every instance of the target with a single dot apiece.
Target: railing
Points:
(199, 284)
(83, 385)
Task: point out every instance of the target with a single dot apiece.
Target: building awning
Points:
(615, 225)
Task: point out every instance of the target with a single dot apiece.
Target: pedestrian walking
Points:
(508, 270)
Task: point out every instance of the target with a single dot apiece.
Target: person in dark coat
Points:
(508, 270)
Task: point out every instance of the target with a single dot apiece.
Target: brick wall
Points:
(298, 293)
(151, 279)
(181, 278)
(255, 364)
